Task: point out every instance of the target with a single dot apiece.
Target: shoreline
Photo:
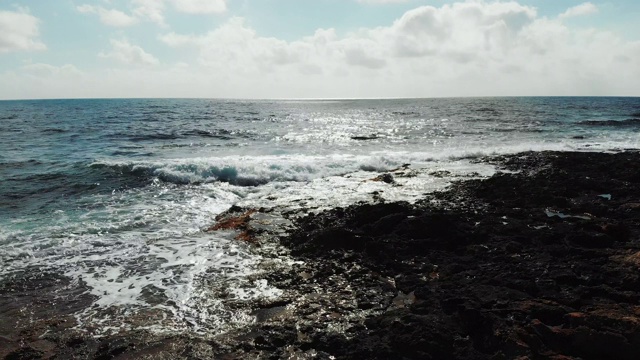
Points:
(540, 260)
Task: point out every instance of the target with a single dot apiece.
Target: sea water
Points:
(106, 201)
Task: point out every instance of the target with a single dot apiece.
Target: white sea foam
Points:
(142, 252)
(255, 170)
(410, 184)
(180, 279)
(259, 169)
(142, 255)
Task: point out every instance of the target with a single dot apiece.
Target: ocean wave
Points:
(19, 164)
(154, 136)
(54, 130)
(246, 118)
(487, 110)
(406, 113)
(40, 177)
(76, 180)
(162, 112)
(221, 134)
(612, 123)
(217, 134)
(130, 153)
(249, 113)
(518, 130)
(37, 192)
(43, 182)
(247, 170)
(257, 170)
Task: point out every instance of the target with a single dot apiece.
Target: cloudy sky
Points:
(317, 48)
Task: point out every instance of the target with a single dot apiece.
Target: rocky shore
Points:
(540, 261)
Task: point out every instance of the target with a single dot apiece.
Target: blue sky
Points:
(317, 49)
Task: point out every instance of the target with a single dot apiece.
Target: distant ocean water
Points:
(110, 197)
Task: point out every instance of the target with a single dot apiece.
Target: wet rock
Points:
(385, 178)
(591, 240)
(270, 313)
(514, 282)
(367, 137)
(231, 220)
(111, 349)
(619, 232)
(24, 354)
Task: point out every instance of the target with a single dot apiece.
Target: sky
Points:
(317, 48)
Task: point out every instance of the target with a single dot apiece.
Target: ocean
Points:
(104, 203)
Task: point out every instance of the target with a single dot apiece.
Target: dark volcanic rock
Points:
(520, 264)
(365, 137)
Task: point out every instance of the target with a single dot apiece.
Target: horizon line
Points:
(321, 98)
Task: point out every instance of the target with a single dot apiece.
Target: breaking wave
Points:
(246, 171)
(251, 171)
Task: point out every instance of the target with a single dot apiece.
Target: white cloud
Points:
(126, 53)
(19, 31)
(42, 70)
(116, 18)
(235, 45)
(461, 28)
(150, 9)
(457, 33)
(200, 6)
(579, 10)
(464, 49)
(38, 81)
(87, 9)
(382, 1)
(41, 80)
(467, 48)
(110, 17)
(175, 40)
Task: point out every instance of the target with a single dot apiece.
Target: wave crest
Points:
(247, 171)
